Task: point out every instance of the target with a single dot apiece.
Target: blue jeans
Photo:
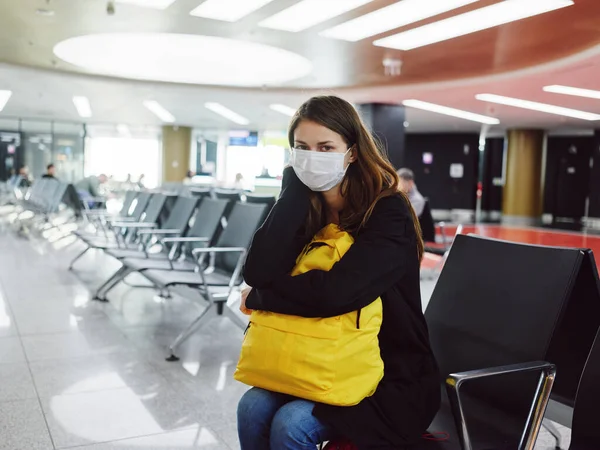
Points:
(269, 420)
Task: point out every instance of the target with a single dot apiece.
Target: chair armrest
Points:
(185, 239)
(219, 250)
(159, 231)
(538, 407)
(238, 267)
(133, 225)
(456, 379)
(118, 218)
(180, 240)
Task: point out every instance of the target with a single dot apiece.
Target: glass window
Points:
(120, 158)
(11, 153)
(58, 143)
(257, 165)
(206, 157)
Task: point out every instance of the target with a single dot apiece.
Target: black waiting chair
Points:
(268, 200)
(102, 221)
(572, 343)
(43, 200)
(227, 194)
(218, 282)
(200, 192)
(585, 433)
(125, 232)
(150, 219)
(175, 225)
(176, 252)
(493, 316)
(130, 196)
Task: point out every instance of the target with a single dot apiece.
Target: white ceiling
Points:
(47, 94)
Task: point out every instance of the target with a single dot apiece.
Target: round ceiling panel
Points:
(183, 58)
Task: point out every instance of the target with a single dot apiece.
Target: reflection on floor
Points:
(85, 375)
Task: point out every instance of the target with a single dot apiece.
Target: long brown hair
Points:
(368, 179)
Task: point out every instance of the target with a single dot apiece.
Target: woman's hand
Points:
(244, 295)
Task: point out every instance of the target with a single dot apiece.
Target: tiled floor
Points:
(84, 375)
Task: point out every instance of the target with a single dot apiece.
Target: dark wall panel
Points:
(567, 175)
(434, 180)
(386, 122)
(594, 210)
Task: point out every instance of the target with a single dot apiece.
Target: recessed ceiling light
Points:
(394, 16)
(283, 109)
(45, 12)
(4, 96)
(82, 104)
(227, 113)
(467, 23)
(535, 106)
(308, 13)
(183, 58)
(568, 90)
(123, 130)
(450, 111)
(159, 111)
(227, 10)
(154, 4)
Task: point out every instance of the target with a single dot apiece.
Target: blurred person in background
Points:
(24, 180)
(408, 186)
(265, 173)
(89, 189)
(50, 172)
(239, 182)
(128, 184)
(189, 177)
(140, 182)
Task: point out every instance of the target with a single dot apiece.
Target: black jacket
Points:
(382, 262)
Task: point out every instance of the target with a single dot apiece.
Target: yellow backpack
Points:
(334, 360)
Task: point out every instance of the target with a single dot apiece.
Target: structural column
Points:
(387, 124)
(523, 190)
(176, 143)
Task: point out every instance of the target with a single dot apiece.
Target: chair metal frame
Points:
(533, 424)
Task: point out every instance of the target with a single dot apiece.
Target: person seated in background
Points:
(189, 177)
(239, 182)
(89, 189)
(265, 173)
(50, 172)
(408, 186)
(128, 184)
(24, 180)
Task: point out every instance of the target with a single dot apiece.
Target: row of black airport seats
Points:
(511, 325)
(177, 240)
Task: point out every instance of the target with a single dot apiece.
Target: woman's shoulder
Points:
(396, 203)
(390, 214)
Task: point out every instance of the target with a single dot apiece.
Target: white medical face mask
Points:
(319, 171)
